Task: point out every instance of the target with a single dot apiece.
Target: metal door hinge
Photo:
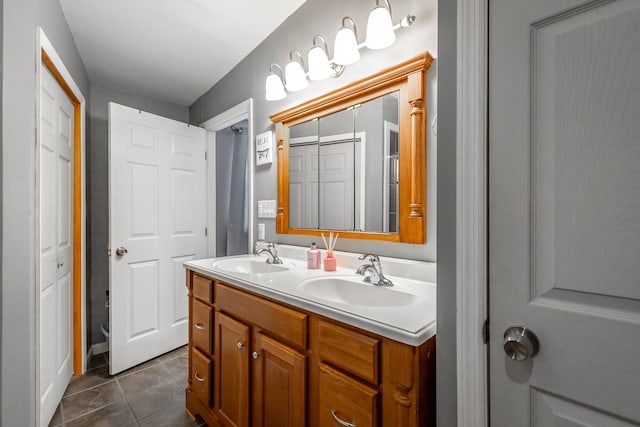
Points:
(205, 155)
(108, 251)
(206, 231)
(485, 332)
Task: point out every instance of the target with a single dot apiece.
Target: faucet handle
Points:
(372, 257)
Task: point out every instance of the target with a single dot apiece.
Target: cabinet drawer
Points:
(349, 350)
(282, 322)
(346, 399)
(201, 371)
(201, 326)
(202, 288)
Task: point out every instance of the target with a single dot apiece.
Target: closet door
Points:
(56, 245)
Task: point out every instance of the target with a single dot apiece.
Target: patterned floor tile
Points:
(117, 414)
(86, 401)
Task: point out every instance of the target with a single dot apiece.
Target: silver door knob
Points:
(121, 251)
(520, 343)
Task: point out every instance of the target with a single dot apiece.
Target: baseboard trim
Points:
(99, 348)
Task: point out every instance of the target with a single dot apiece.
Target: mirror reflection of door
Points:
(343, 171)
(336, 171)
(303, 175)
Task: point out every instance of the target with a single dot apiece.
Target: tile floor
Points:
(150, 394)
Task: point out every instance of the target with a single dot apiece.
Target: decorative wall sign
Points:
(264, 148)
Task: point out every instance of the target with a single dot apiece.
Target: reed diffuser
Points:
(329, 260)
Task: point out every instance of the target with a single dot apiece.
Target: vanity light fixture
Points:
(345, 50)
(380, 34)
(318, 59)
(274, 86)
(294, 74)
(379, 27)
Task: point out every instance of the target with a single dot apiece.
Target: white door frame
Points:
(242, 111)
(43, 43)
(471, 212)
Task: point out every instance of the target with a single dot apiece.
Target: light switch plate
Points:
(266, 208)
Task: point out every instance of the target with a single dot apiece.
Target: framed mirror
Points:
(353, 160)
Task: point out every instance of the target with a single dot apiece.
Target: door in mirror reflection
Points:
(303, 175)
(337, 172)
(343, 169)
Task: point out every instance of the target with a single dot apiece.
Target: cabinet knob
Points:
(240, 346)
(341, 421)
(255, 354)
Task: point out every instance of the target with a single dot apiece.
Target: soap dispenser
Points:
(313, 257)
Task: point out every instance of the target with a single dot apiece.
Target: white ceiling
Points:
(169, 50)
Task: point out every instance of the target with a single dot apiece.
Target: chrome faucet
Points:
(373, 271)
(270, 249)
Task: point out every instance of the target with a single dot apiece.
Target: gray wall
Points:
(98, 184)
(20, 18)
(446, 376)
(324, 17)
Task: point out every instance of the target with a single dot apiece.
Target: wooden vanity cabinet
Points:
(273, 365)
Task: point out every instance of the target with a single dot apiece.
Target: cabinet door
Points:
(232, 365)
(278, 384)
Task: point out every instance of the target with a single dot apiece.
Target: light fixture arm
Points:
(388, 5)
(295, 52)
(279, 68)
(324, 44)
(353, 25)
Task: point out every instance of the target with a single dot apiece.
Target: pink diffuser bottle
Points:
(329, 260)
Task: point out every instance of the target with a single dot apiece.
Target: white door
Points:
(56, 244)
(336, 186)
(157, 206)
(303, 186)
(564, 210)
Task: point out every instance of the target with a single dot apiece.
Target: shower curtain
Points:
(232, 223)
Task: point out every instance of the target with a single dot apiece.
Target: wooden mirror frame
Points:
(409, 79)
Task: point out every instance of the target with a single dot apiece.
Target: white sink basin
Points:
(353, 291)
(248, 265)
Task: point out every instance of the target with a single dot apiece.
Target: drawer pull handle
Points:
(199, 326)
(198, 377)
(339, 421)
(240, 346)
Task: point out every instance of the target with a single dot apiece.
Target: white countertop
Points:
(411, 324)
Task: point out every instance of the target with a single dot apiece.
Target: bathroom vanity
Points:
(280, 345)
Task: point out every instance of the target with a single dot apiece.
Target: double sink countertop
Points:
(405, 312)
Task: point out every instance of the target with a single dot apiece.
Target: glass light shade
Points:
(346, 47)
(294, 76)
(274, 88)
(319, 68)
(379, 29)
